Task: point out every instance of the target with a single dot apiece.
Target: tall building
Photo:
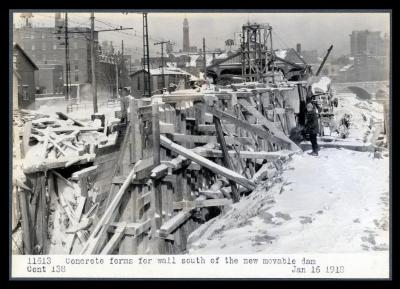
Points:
(371, 56)
(186, 46)
(45, 45)
(367, 42)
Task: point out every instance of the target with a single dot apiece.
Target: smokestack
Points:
(58, 22)
(298, 48)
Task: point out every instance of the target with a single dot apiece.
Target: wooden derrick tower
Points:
(256, 48)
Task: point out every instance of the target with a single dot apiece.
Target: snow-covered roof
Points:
(222, 56)
(346, 67)
(168, 70)
(193, 59)
(281, 53)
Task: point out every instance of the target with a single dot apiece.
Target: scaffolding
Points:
(256, 48)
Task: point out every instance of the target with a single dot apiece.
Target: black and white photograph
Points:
(200, 144)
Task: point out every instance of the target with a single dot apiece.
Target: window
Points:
(76, 77)
(76, 67)
(33, 46)
(44, 46)
(138, 83)
(54, 46)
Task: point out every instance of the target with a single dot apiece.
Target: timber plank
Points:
(269, 125)
(112, 244)
(229, 174)
(173, 223)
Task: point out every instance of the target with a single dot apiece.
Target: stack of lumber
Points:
(53, 141)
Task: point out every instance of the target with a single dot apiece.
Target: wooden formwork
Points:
(176, 159)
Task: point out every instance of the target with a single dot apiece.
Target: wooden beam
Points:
(229, 174)
(83, 173)
(159, 171)
(270, 156)
(229, 126)
(65, 117)
(98, 234)
(269, 125)
(131, 229)
(225, 157)
(112, 244)
(260, 132)
(172, 224)
(72, 129)
(46, 164)
(203, 139)
(202, 203)
(173, 98)
(167, 127)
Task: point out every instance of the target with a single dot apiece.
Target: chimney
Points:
(298, 48)
(58, 22)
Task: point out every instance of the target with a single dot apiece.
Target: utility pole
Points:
(204, 59)
(162, 60)
(146, 59)
(116, 73)
(122, 64)
(67, 64)
(93, 60)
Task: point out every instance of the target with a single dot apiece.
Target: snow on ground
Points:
(362, 112)
(334, 203)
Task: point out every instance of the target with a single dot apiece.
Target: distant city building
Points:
(370, 54)
(368, 42)
(172, 75)
(156, 62)
(310, 56)
(169, 47)
(45, 45)
(186, 46)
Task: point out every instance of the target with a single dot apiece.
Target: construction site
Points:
(223, 167)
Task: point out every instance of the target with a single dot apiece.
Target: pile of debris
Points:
(50, 142)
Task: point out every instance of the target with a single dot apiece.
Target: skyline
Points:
(312, 30)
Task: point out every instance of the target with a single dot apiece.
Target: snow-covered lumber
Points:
(63, 116)
(98, 234)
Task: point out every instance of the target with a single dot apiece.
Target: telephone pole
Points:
(116, 73)
(93, 60)
(146, 60)
(204, 58)
(67, 64)
(162, 60)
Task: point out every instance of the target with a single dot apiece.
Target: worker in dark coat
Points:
(312, 127)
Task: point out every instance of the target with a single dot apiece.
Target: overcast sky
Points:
(312, 30)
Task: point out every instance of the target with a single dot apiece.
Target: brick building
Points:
(44, 45)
